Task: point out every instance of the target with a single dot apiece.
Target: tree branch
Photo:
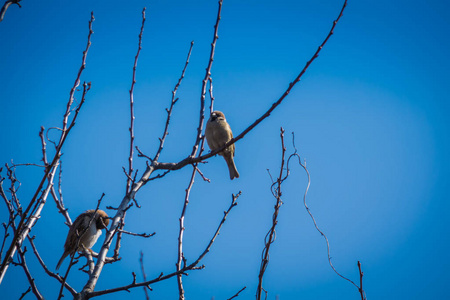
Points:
(270, 236)
(50, 273)
(141, 262)
(237, 294)
(181, 258)
(6, 6)
(30, 278)
(205, 81)
(191, 159)
(161, 277)
(20, 233)
(361, 290)
(172, 104)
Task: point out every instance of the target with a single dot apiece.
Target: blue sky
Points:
(370, 118)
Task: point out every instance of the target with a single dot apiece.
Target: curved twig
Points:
(6, 6)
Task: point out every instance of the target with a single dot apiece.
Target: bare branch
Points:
(205, 81)
(131, 129)
(237, 294)
(77, 83)
(303, 165)
(180, 236)
(130, 158)
(21, 232)
(145, 235)
(20, 235)
(50, 273)
(119, 236)
(89, 259)
(170, 109)
(270, 236)
(59, 202)
(141, 262)
(6, 6)
(191, 159)
(233, 204)
(159, 176)
(30, 278)
(25, 293)
(361, 290)
(108, 260)
(211, 97)
(5, 236)
(194, 158)
(141, 154)
(44, 146)
(150, 168)
(201, 174)
(71, 264)
(161, 277)
(28, 165)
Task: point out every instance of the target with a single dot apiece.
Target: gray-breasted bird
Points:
(89, 233)
(218, 133)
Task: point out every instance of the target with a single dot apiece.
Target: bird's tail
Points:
(61, 260)
(231, 167)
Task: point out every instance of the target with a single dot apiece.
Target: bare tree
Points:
(21, 220)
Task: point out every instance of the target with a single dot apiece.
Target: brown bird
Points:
(89, 227)
(218, 133)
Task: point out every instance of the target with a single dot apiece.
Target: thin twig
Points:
(133, 82)
(6, 6)
(201, 174)
(50, 273)
(30, 278)
(211, 97)
(303, 165)
(180, 257)
(270, 236)
(314, 220)
(28, 164)
(161, 277)
(64, 279)
(20, 234)
(90, 260)
(25, 293)
(205, 82)
(141, 262)
(172, 104)
(361, 290)
(145, 235)
(131, 129)
(237, 294)
(190, 159)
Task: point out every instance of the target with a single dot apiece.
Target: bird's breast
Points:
(90, 237)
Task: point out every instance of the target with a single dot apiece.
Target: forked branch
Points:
(192, 266)
(191, 160)
(26, 219)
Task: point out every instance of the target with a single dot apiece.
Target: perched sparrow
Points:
(218, 133)
(89, 235)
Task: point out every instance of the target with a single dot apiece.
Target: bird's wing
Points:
(78, 227)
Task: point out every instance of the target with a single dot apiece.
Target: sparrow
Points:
(89, 233)
(218, 133)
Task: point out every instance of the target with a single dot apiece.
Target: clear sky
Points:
(370, 118)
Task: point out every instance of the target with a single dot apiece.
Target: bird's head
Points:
(102, 220)
(217, 115)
